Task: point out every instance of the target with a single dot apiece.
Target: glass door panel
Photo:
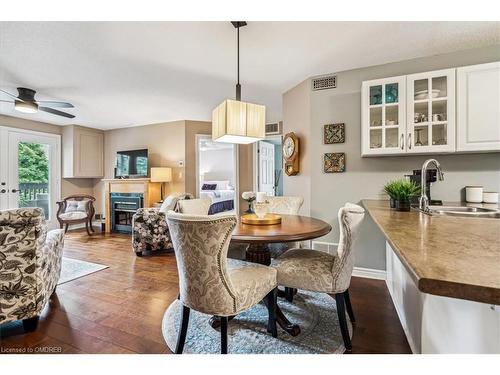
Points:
(376, 138)
(33, 176)
(391, 93)
(439, 110)
(376, 95)
(392, 137)
(439, 87)
(376, 116)
(439, 135)
(421, 136)
(421, 89)
(392, 115)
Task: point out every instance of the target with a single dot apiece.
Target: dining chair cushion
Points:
(305, 269)
(251, 281)
(195, 206)
(74, 215)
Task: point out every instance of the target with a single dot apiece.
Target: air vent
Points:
(324, 83)
(272, 129)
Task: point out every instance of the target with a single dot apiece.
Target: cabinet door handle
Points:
(409, 141)
(402, 141)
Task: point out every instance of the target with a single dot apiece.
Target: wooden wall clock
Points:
(291, 154)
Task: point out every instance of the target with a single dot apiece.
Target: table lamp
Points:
(162, 175)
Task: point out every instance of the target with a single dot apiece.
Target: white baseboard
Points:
(369, 273)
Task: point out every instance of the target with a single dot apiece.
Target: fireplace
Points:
(123, 206)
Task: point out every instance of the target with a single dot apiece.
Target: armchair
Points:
(76, 209)
(30, 265)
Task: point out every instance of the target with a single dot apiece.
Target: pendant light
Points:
(234, 121)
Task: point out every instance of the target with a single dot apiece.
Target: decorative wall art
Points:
(334, 133)
(334, 162)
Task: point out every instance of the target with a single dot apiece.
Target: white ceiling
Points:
(120, 74)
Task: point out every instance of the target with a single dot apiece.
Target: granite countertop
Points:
(448, 256)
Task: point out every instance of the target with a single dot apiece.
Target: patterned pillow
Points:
(209, 187)
(74, 206)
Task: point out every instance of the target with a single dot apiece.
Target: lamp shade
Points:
(161, 174)
(234, 121)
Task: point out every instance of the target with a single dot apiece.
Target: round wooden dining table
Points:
(292, 228)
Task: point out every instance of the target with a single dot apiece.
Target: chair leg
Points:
(223, 334)
(30, 324)
(91, 226)
(87, 228)
(339, 299)
(348, 306)
(289, 294)
(271, 301)
(181, 339)
(66, 229)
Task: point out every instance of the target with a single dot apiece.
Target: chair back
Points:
(77, 203)
(194, 206)
(285, 205)
(350, 217)
(201, 244)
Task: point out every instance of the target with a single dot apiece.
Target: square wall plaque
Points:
(334, 133)
(334, 162)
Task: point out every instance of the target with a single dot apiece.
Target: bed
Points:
(220, 193)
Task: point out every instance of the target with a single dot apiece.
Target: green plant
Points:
(401, 190)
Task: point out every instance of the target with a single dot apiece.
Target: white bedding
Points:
(217, 195)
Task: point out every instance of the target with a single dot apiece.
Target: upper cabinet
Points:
(426, 113)
(430, 122)
(383, 115)
(83, 152)
(478, 107)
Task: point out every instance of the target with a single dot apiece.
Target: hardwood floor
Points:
(119, 310)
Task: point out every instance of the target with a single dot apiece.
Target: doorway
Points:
(269, 161)
(30, 171)
(217, 174)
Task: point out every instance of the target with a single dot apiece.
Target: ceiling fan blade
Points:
(11, 95)
(55, 104)
(55, 112)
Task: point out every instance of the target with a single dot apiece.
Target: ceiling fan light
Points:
(238, 122)
(26, 107)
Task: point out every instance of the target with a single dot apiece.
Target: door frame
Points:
(56, 185)
(255, 158)
(236, 163)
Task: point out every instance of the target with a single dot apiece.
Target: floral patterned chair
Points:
(30, 265)
(321, 272)
(149, 225)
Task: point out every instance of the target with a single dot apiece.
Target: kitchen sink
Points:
(464, 211)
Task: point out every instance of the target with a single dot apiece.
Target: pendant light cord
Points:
(238, 86)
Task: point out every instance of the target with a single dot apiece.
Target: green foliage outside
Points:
(33, 163)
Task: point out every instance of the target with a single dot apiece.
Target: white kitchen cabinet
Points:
(383, 116)
(430, 104)
(83, 152)
(478, 107)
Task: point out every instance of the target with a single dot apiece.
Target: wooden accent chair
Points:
(318, 271)
(76, 209)
(30, 265)
(211, 283)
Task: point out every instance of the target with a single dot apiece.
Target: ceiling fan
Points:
(25, 102)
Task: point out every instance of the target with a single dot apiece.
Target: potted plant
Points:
(400, 192)
(249, 197)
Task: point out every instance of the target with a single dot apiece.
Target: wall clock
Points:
(291, 154)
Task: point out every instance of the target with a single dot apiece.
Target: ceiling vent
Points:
(273, 129)
(324, 83)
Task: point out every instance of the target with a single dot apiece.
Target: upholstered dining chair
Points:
(318, 271)
(76, 209)
(208, 281)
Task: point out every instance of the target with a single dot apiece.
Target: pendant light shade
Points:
(234, 121)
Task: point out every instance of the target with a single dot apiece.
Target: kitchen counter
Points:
(456, 257)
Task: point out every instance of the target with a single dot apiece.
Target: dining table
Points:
(293, 228)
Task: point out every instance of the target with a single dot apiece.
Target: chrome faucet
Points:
(423, 203)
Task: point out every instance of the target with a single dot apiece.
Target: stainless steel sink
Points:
(464, 211)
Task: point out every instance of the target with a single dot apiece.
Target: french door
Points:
(30, 171)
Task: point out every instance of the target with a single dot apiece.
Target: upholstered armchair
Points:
(208, 281)
(30, 265)
(149, 225)
(76, 209)
(318, 271)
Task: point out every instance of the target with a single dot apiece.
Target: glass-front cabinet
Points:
(383, 116)
(430, 122)
(409, 114)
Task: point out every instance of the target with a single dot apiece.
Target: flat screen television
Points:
(131, 164)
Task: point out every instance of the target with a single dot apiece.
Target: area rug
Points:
(315, 313)
(72, 269)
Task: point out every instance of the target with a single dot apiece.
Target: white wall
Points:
(307, 112)
(217, 164)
